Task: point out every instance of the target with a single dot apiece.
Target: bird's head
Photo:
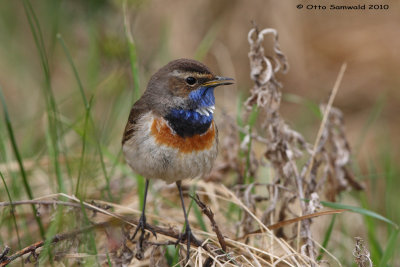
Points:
(186, 84)
(183, 93)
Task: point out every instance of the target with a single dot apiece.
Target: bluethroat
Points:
(171, 134)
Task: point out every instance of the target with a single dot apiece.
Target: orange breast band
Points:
(164, 135)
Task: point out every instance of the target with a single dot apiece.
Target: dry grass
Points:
(269, 183)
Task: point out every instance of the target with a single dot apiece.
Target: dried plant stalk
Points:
(361, 254)
(326, 171)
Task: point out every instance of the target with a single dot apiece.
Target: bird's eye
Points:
(190, 80)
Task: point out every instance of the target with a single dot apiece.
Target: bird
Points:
(171, 133)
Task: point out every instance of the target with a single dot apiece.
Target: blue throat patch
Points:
(203, 97)
(189, 122)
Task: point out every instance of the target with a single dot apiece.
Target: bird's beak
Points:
(218, 81)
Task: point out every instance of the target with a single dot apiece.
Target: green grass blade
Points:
(52, 230)
(163, 51)
(91, 242)
(103, 165)
(239, 119)
(132, 55)
(372, 118)
(391, 174)
(250, 123)
(71, 62)
(311, 105)
(373, 241)
(90, 118)
(52, 113)
(253, 116)
(172, 255)
(327, 237)
(41, 45)
(207, 42)
(108, 260)
(82, 158)
(38, 40)
(25, 182)
(359, 210)
(390, 248)
(199, 217)
(12, 210)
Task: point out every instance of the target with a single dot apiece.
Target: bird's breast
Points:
(165, 135)
(155, 150)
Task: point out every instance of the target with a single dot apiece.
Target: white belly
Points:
(153, 160)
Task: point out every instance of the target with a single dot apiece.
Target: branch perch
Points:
(170, 232)
(207, 211)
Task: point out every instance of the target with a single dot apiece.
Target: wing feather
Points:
(138, 109)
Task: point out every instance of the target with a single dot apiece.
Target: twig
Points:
(166, 243)
(57, 238)
(326, 115)
(294, 220)
(3, 255)
(40, 202)
(207, 211)
(244, 186)
(4, 260)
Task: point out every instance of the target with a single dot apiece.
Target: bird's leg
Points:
(187, 235)
(142, 221)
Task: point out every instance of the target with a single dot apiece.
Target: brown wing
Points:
(139, 108)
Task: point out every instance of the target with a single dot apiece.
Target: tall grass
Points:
(17, 154)
(12, 210)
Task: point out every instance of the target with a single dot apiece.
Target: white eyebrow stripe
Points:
(183, 74)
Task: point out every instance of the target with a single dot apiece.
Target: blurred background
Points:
(316, 43)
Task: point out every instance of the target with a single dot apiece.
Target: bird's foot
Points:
(142, 226)
(189, 238)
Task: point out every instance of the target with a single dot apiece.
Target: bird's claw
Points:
(189, 238)
(142, 226)
(149, 228)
